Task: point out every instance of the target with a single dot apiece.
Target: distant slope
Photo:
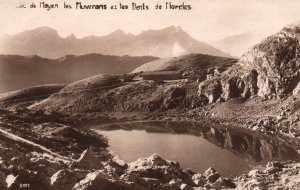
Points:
(193, 63)
(31, 92)
(236, 45)
(46, 42)
(19, 71)
(25, 96)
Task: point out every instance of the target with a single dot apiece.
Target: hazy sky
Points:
(208, 19)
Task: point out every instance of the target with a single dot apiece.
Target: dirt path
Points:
(125, 123)
(22, 140)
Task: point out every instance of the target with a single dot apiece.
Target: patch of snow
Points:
(82, 155)
(190, 45)
(10, 179)
(154, 49)
(178, 29)
(54, 177)
(178, 49)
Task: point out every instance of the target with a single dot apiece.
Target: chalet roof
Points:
(161, 73)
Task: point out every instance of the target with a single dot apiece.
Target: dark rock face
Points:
(270, 70)
(232, 83)
(3, 184)
(211, 90)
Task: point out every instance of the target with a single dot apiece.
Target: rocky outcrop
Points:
(270, 70)
(212, 90)
(236, 82)
(276, 61)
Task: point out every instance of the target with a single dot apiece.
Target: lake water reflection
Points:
(231, 152)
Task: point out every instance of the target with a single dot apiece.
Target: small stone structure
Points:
(162, 75)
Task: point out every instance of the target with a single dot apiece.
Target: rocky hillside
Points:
(46, 42)
(270, 70)
(194, 65)
(22, 96)
(106, 93)
(112, 93)
(19, 71)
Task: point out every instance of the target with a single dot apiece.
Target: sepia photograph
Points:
(149, 94)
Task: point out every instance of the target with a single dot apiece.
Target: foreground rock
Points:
(154, 173)
(272, 176)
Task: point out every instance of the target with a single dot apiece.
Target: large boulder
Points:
(157, 172)
(99, 181)
(211, 175)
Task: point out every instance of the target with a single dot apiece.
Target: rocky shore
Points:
(42, 155)
(38, 152)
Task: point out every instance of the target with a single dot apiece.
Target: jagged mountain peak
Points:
(46, 42)
(118, 32)
(174, 29)
(71, 37)
(169, 29)
(45, 30)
